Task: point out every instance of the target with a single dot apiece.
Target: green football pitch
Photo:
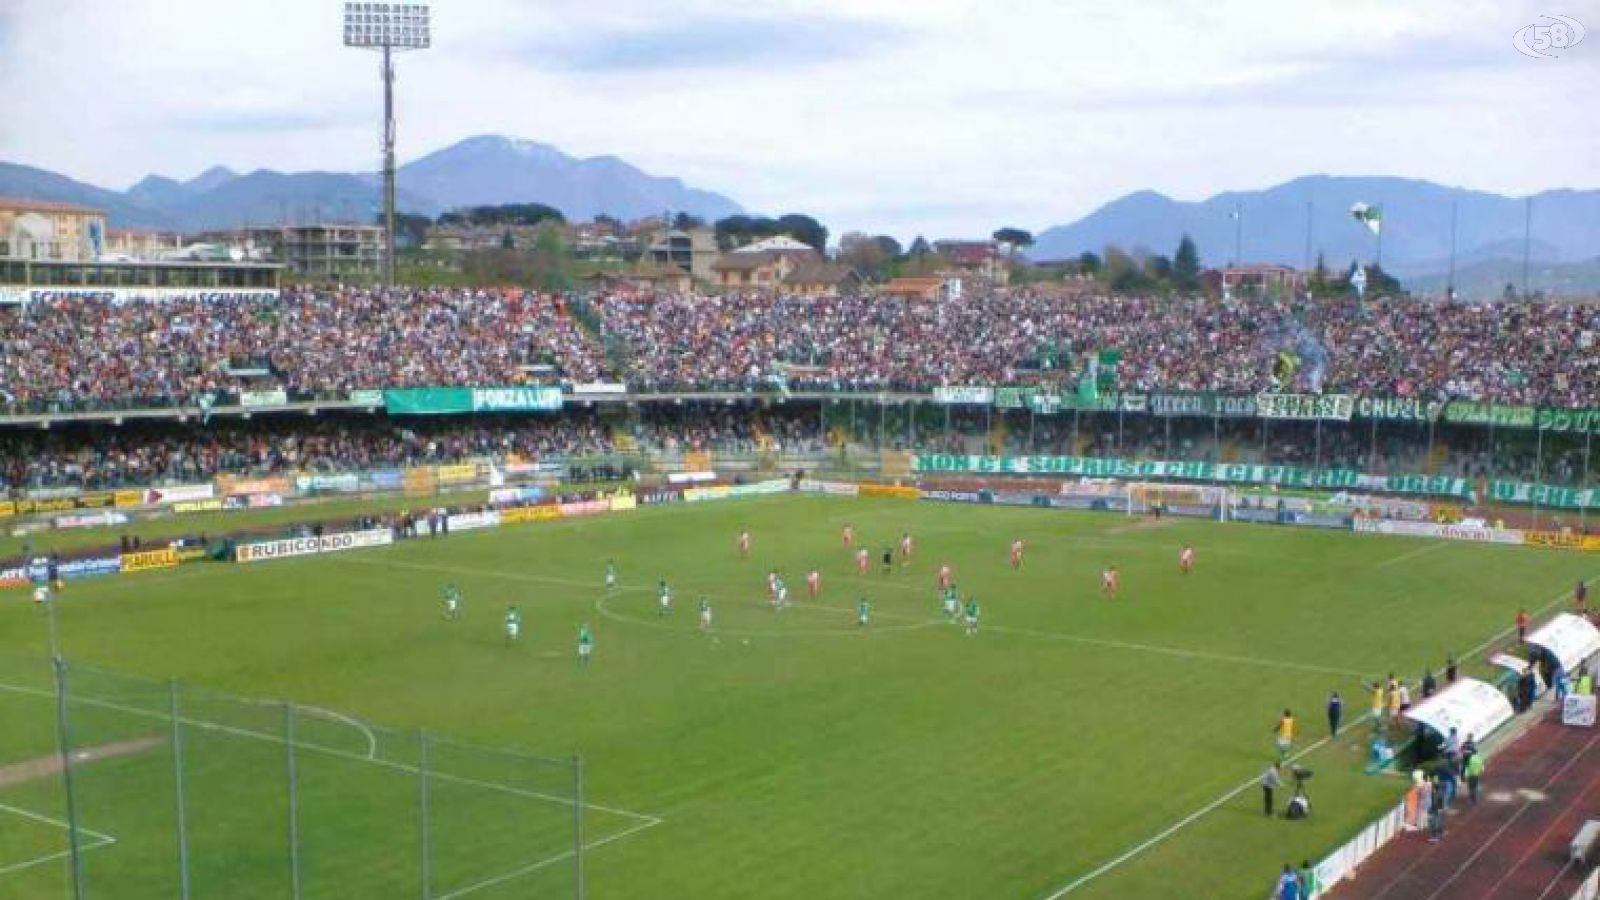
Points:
(1074, 746)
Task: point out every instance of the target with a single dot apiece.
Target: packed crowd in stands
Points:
(99, 457)
(75, 354)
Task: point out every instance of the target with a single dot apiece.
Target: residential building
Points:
(47, 231)
(693, 250)
(975, 259)
(141, 243)
(920, 288)
(822, 279)
(323, 252)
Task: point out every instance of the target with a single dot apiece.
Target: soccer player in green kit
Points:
(452, 602)
(863, 612)
(972, 614)
(663, 598)
(513, 623)
(585, 644)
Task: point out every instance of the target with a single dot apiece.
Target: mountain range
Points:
(487, 169)
(1416, 223)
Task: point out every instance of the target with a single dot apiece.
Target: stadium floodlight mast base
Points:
(391, 28)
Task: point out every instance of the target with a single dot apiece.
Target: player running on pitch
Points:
(814, 583)
(1186, 559)
(946, 578)
(863, 559)
(952, 603)
(1110, 582)
(611, 576)
(1016, 553)
(780, 594)
(848, 535)
(863, 612)
(663, 598)
(585, 644)
(513, 623)
(705, 613)
(888, 561)
(452, 602)
(744, 545)
(972, 614)
(906, 548)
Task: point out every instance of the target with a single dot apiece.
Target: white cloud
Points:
(944, 117)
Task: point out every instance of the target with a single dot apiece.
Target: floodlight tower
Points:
(392, 28)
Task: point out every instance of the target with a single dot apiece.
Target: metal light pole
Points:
(390, 28)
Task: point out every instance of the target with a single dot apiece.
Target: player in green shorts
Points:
(585, 644)
(513, 623)
(863, 612)
(972, 615)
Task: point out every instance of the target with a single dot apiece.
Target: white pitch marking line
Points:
(100, 840)
(1175, 651)
(532, 867)
(334, 752)
(1184, 822)
(1412, 554)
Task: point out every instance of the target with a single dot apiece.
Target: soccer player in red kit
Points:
(849, 537)
(905, 548)
(1016, 554)
(1186, 559)
(814, 583)
(944, 576)
(863, 559)
(744, 544)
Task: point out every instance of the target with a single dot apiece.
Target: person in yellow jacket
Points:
(1284, 731)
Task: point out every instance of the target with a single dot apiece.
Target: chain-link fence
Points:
(119, 787)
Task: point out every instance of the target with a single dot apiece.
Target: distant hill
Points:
(27, 182)
(476, 171)
(491, 169)
(1416, 225)
(1487, 279)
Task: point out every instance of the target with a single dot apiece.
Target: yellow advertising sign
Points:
(519, 514)
(456, 474)
(149, 559)
(125, 499)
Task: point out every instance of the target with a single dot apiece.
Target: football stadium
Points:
(516, 551)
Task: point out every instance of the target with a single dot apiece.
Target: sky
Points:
(944, 117)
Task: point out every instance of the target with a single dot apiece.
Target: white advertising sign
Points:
(1470, 706)
(1476, 534)
(1572, 639)
(179, 493)
(1578, 709)
(470, 521)
(306, 546)
(154, 295)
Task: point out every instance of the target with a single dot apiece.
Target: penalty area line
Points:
(534, 867)
(99, 839)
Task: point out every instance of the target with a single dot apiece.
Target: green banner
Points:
(443, 400)
(1465, 412)
(1242, 473)
(1398, 409)
(1203, 404)
(1564, 420)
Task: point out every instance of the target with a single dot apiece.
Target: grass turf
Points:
(786, 754)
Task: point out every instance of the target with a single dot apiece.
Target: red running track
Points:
(1514, 845)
